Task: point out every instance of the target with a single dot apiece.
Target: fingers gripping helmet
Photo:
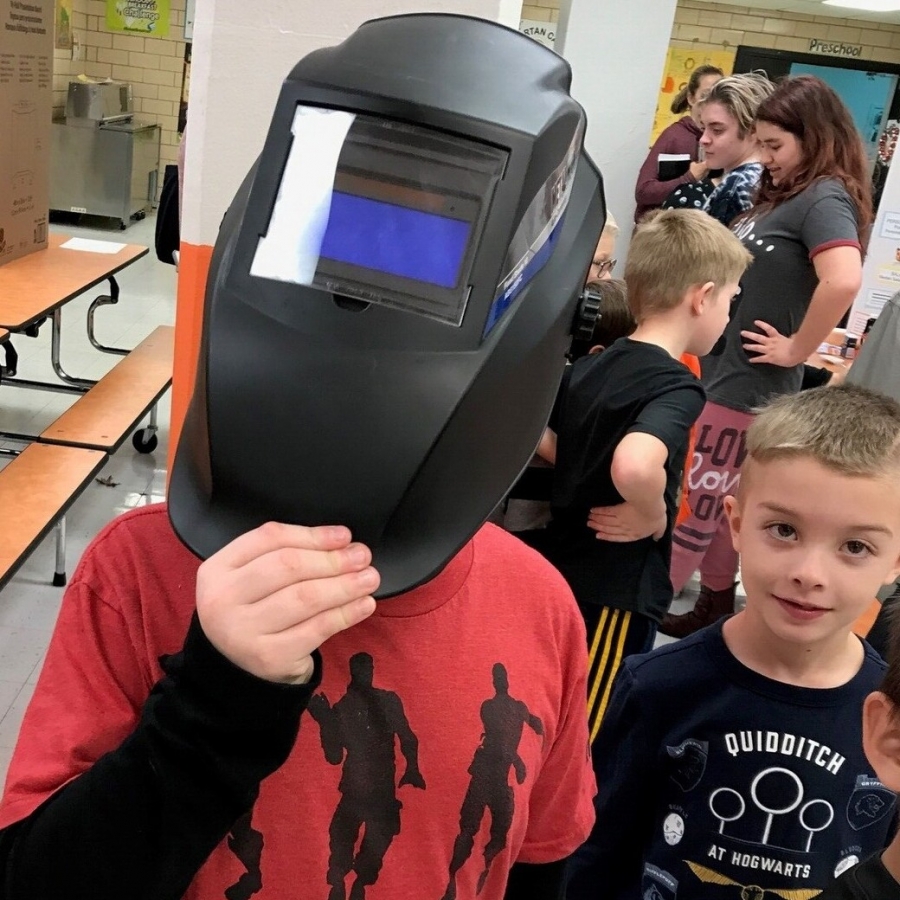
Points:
(392, 295)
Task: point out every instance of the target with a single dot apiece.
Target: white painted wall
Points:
(509, 13)
(243, 50)
(617, 51)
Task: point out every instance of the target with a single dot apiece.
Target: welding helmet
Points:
(392, 295)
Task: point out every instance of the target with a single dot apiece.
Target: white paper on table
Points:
(90, 246)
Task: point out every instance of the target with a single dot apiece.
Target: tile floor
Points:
(29, 603)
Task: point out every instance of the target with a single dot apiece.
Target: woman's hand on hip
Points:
(770, 346)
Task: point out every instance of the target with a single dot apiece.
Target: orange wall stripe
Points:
(193, 269)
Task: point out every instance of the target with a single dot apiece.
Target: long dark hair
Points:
(830, 145)
(680, 102)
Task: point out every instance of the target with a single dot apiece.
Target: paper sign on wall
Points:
(146, 17)
(543, 32)
(890, 226)
(64, 25)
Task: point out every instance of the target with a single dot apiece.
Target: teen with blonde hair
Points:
(729, 142)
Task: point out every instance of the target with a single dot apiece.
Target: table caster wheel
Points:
(144, 443)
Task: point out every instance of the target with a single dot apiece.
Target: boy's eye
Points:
(782, 531)
(857, 548)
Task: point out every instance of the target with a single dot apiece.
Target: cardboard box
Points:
(26, 112)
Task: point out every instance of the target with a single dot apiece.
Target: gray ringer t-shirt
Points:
(777, 289)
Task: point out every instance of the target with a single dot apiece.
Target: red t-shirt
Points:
(449, 731)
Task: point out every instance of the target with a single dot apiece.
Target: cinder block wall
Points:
(720, 23)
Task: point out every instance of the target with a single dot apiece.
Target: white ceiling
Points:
(816, 8)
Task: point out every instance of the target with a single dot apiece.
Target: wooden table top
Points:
(33, 286)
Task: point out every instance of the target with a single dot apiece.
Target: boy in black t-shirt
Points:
(527, 506)
(618, 437)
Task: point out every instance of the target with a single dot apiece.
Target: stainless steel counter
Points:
(109, 169)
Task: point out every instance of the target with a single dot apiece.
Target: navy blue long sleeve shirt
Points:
(717, 782)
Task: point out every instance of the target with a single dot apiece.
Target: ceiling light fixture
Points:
(866, 5)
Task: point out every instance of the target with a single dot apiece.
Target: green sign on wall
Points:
(147, 17)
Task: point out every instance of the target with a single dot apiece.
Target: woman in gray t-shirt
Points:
(806, 231)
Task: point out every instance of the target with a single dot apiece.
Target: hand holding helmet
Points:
(271, 597)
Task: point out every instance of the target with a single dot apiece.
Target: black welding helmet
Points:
(392, 295)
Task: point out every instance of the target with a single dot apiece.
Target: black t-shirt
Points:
(630, 387)
(869, 880)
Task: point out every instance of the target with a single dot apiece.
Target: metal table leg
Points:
(55, 343)
(104, 300)
(59, 576)
(44, 386)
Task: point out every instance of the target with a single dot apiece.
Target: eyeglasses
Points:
(604, 265)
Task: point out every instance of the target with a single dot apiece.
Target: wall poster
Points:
(680, 62)
(64, 25)
(149, 18)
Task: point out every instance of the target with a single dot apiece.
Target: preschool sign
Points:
(147, 17)
(835, 48)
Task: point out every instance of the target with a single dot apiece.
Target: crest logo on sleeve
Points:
(689, 763)
(658, 885)
(673, 829)
(869, 803)
(848, 862)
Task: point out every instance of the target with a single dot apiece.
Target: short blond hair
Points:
(741, 96)
(674, 250)
(610, 226)
(848, 429)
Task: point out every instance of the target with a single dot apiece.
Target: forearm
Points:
(828, 304)
(144, 818)
(643, 486)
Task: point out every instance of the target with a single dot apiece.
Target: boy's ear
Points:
(735, 520)
(597, 348)
(881, 739)
(702, 295)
